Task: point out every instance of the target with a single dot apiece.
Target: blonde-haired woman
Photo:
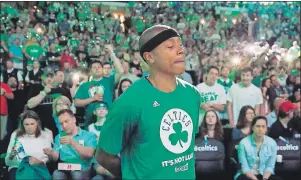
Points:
(60, 103)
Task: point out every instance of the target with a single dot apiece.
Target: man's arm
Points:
(116, 62)
(218, 107)
(35, 101)
(110, 162)
(257, 109)
(84, 152)
(230, 113)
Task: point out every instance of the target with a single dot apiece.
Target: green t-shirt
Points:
(34, 51)
(258, 79)
(89, 89)
(153, 131)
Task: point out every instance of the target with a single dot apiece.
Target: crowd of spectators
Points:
(58, 56)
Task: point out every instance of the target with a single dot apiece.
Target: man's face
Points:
(225, 72)
(67, 65)
(67, 123)
(59, 77)
(106, 69)
(256, 71)
(48, 80)
(169, 57)
(260, 128)
(17, 41)
(212, 76)
(97, 70)
(246, 78)
(274, 81)
(9, 65)
(36, 65)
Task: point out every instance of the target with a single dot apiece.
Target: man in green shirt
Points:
(100, 88)
(153, 124)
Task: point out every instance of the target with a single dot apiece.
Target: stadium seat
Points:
(209, 156)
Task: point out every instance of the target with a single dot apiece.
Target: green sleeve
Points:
(82, 92)
(119, 126)
(196, 125)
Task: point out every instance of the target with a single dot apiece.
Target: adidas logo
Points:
(156, 104)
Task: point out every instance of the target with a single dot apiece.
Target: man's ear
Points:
(148, 57)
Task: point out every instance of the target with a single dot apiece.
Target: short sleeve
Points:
(57, 144)
(82, 92)
(7, 88)
(196, 130)
(119, 126)
(91, 140)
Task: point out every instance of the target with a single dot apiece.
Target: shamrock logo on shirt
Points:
(178, 135)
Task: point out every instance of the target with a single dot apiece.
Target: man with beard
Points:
(15, 106)
(41, 97)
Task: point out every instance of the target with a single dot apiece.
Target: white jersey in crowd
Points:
(214, 94)
(92, 129)
(241, 96)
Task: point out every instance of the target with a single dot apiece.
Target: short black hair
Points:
(95, 62)
(107, 63)
(256, 118)
(212, 67)
(247, 69)
(68, 111)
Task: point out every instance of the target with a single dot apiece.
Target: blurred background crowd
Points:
(50, 54)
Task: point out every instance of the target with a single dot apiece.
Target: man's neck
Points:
(209, 83)
(245, 85)
(75, 131)
(96, 78)
(11, 69)
(225, 78)
(163, 81)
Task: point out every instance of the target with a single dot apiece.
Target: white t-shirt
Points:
(214, 94)
(32, 146)
(242, 96)
(92, 129)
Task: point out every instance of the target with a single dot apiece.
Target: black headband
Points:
(157, 40)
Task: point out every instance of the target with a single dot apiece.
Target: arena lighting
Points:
(289, 57)
(39, 30)
(235, 60)
(255, 19)
(225, 19)
(122, 19)
(115, 16)
(35, 7)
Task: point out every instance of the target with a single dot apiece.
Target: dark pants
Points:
(12, 174)
(259, 177)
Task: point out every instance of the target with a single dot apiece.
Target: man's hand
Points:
(109, 48)
(206, 106)
(47, 88)
(33, 160)
(2, 91)
(67, 140)
(98, 97)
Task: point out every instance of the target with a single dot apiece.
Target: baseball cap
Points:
(287, 107)
(101, 104)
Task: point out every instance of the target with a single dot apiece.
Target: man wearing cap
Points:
(153, 125)
(283, 126)
(41, 97)
(100, 111)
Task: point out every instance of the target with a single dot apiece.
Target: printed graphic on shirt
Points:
(49, 99)
(208, 96)
(98, 89)
(176, 131)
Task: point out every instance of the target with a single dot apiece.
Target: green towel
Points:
(25, 170)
